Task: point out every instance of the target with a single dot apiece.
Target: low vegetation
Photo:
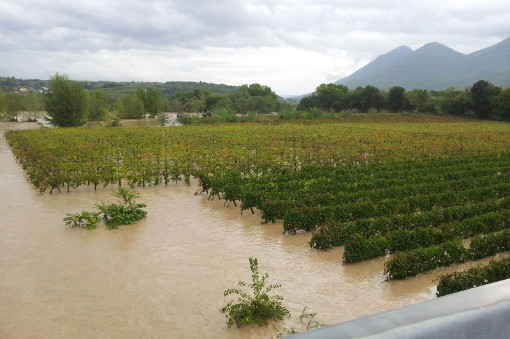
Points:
(85, 219)
(496, 270)
(482, 100)
(256, 306)
(126, 212)
(412, 186)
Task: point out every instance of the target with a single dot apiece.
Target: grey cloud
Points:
(191, 24)
(62, 32)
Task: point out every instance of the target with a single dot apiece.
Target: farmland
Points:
(377, 186)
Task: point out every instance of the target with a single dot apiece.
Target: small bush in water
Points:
(85, 219)
(122, 214)
(125, 213)
(256, 308)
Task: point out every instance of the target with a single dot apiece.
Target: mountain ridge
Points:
(434, 66)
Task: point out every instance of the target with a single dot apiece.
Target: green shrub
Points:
(315, 113)
(476, 276)
(184, 118)
(310, 317)
(256, 308)
(85, 219)
(224, 115)
(122, 214)
(113, 119)
(290, 115)
(359, 248)
(490, 244)
(408, 264)
(114, 215)
(304, 218)
(163, 118)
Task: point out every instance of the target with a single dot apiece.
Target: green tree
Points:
(133, 106)
(331, 97)
(154, 103)
(258, 90)
(354, 99)
(197, 102)
(455, 102)
(307, 102)
(502, 104)
(141, 93)
(175, 105)
(483, 94)
(218, 101)
(371, 98)
(285, 106)
(14, 105)
(419, 100)
(3, 104)
(66, 102)
(255, 98)
(396, 99)
(99, 103)
(32, 103)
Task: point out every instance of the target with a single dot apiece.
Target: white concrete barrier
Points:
(482, 312)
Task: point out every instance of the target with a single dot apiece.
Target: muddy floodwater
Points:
(164, 276)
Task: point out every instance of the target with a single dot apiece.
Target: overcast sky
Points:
(290, 45)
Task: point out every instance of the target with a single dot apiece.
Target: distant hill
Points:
(9, 84)
(436, 67)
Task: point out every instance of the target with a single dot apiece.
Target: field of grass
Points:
(414, 186)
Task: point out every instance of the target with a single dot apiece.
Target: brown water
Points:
(164, 276)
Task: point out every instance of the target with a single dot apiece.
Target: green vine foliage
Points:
(85, 219)
(257, 307)
(125, 213)
(312, 323)
(477, 276)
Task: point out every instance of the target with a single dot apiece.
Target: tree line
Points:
(12, 103)
(483, 100)
(118, 88)
(248, 98)
(68, 103)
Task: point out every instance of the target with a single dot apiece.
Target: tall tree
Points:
(99, 104)
(133, 106)
(483, 94)
(14, 105)
(371, 98)
(331, 97)
(3, 103)
(419, 100)
(455, 102)
(154, 102)
(66, 102)
(396, 99)
(503, 104)
(32, 102)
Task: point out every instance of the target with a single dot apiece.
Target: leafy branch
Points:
(256, 307)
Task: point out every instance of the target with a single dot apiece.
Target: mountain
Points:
(381, 62)
(436, 67)
(493, 63)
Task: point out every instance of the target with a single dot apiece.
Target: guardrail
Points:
(481, 312)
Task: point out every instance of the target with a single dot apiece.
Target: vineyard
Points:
(418, 190)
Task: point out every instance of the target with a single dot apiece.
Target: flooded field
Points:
(165, 276)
